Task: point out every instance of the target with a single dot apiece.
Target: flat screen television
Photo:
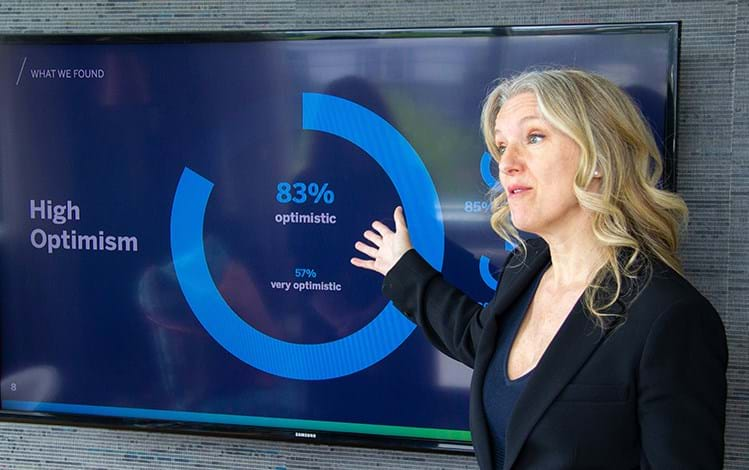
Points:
(178, 211)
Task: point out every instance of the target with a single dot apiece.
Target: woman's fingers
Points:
(366, 249)
(381, 228)
(364, 263)
(388, 247)
(373, 237)
(400, 220)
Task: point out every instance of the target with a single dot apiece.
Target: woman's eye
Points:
(501, 149)
(535, 138)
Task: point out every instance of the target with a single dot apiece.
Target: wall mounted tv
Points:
(178, 213)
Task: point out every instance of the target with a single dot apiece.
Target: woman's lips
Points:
(517, 190)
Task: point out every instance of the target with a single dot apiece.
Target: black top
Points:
(501, 393)
(649, 393)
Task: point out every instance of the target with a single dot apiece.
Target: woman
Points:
(595, 352)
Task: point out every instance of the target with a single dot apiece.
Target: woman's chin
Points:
(524, 225)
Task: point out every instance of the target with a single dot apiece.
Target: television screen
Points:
(178, 213)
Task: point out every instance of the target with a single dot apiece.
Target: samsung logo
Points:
(308, 435)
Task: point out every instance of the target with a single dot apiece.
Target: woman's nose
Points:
(511, 160)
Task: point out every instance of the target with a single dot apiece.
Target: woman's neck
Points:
(575, 258)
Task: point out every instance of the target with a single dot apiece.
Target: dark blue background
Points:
(114, 327)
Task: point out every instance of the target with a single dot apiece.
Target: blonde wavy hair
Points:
(632, 218)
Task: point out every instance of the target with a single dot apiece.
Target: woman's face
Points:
(537, 168)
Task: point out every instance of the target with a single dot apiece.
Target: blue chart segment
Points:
(344, 356)
(492, 182)
(486, 274)
(383, 142)
(486, 172)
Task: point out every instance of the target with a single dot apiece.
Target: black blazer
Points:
(648, 393)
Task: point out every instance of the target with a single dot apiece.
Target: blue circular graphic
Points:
(486, 275)
(347, 355)
(486, 171)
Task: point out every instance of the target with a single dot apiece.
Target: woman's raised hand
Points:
(388, 246)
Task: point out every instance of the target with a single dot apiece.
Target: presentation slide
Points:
(177, 220)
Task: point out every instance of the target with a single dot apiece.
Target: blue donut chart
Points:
(344, 356)
(486, 171)
(486, 275)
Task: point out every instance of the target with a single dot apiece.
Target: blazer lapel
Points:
(514, 281)
(575, 341)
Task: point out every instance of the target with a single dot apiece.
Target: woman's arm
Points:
(682, 388)
(450, 319)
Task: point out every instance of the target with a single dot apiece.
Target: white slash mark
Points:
(20, 72)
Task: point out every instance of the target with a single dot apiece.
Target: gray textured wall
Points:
(713, 176)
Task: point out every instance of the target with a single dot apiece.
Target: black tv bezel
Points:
(306, 435)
